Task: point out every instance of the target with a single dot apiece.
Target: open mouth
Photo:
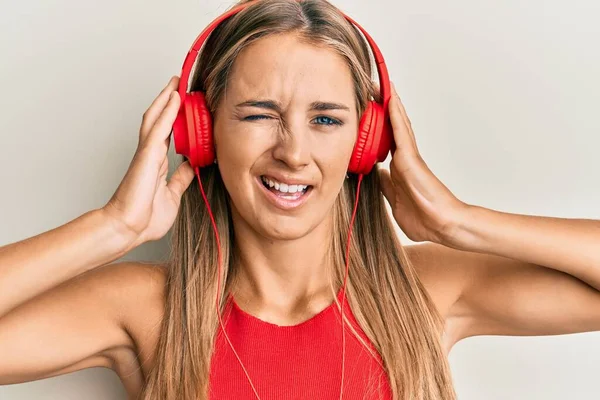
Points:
(284, 191)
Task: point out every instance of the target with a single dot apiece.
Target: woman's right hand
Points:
(145, 204)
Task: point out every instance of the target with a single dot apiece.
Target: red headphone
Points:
(192, 129)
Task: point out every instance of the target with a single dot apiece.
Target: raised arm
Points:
(91, 320)
(492, 272)
(527, 275)
(37, 264)
(59, 312)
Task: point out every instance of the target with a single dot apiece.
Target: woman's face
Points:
(288, 117)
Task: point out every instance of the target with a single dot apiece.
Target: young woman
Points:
(286, 83)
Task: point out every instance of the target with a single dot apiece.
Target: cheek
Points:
(237, 151)
(335, 155)
(239, 146)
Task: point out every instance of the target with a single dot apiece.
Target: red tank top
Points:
(296, 362)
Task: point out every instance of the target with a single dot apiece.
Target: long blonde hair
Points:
(385, 294)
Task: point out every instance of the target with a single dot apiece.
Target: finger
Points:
(402, 136)
(405, 116)
(155, 109)
(181, 179)
(164, 168)
(387, 187)
(168, 140)
(161, 130)
(403, 132)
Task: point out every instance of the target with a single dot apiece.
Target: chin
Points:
(284, 228)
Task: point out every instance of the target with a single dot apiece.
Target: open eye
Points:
(328, 120)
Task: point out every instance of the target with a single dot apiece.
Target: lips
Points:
(282, 188)
(284, 201)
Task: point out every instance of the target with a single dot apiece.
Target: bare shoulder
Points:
(442, 272)
(137, 292)
(104, 317)
(436, 267)
(142, 289)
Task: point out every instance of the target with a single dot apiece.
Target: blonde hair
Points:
(384, 292)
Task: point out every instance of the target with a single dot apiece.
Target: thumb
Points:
(181, 179)
(387, 187)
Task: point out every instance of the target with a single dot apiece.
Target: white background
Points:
(503, 97)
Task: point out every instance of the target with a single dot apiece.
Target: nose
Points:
(293, 147)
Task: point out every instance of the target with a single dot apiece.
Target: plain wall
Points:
(502, 96)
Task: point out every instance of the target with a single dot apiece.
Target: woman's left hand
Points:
(422, 206)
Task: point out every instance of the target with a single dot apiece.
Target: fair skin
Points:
(487, 272)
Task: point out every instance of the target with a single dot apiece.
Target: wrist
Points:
(122, 237)
(461, 233)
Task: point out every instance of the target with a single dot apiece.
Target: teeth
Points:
(284, 187)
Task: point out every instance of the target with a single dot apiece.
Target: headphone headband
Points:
(192, 54)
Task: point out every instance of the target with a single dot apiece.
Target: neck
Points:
(284, 274)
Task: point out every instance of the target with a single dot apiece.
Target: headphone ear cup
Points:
(386, 138)
(359, 162)
(201, 134)
(181, 133)
(373, 141)
(361, 140)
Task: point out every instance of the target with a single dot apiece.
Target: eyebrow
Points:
(276, 106)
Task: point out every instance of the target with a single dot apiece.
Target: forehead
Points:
(284, 68)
